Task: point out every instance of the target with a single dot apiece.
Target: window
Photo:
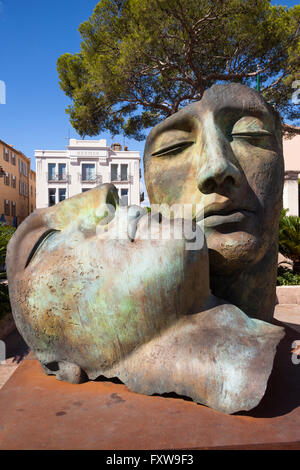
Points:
(23, 188)
(124, 172)
(23, 168)
(88, 172)
(51, 171)
(31, 192)
(6, 179)
(114, 172)
(124, 196)
(62, 171)
(31, 207)
(5, 155)
(13, 209)
(13, 158)
(61, 194)
(51, 197)
(13, 181)
(6, 207)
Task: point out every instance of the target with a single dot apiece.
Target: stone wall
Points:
(288, 294)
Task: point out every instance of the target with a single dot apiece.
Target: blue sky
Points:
(33, 34)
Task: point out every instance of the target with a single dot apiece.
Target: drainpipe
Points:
(258, 83)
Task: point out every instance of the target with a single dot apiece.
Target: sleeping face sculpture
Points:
(96, 290)
(85, 281)
(224, 154)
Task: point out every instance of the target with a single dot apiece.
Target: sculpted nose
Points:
(216, 167)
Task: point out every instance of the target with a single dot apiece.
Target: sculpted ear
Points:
(89, 207)
(92, 207)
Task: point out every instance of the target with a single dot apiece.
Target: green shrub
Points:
(289, 238)
(6, 232)
(4, 301)
(286, 277)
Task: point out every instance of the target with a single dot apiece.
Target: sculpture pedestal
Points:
(39, 412)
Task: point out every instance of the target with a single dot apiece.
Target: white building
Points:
(60, 174)
(291, 194)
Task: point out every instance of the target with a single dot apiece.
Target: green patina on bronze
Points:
(234, 158)
(95, 291)
(83, 298)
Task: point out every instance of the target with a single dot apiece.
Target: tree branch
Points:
(289, 129)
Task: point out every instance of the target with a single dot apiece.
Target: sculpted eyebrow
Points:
(240, 111)
(178, 123)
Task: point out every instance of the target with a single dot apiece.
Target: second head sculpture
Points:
(224, 153)
(93, 294)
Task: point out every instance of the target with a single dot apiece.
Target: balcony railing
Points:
(58, 178)
(122, 179)
(94, 179)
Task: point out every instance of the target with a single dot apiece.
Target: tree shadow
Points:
(16, 348)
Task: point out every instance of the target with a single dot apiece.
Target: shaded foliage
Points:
(142, 60)
(289, 238)
(286, 277)
(6, 232)
(4, 300)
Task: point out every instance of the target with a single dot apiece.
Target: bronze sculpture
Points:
(90, 302)
(225, 152)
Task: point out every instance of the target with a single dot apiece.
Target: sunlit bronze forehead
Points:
(226, 104)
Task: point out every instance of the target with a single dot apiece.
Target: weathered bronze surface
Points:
(225, 153)
(219, 357)
(95, 291)
(91, 297)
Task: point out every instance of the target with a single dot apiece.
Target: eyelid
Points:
(39, 243)
(260, 133)
(178, 146)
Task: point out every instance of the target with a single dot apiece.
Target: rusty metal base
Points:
(39, 412)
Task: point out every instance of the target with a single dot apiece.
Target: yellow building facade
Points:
(17, 185)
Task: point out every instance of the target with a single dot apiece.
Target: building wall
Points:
(14, 186)
(32, 191)
(291, 153)
(78, 153)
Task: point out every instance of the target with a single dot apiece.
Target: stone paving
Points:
(17, 349)
(289, 314)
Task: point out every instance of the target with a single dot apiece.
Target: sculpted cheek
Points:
(263, 170)
(70, 303)
(171, 180)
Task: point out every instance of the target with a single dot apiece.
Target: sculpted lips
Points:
(225, 213)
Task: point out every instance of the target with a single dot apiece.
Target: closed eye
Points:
(39, 243)
(257, 134)
(173, 149)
